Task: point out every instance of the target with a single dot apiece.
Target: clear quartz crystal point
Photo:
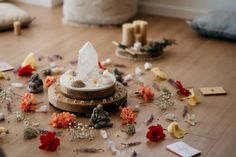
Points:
(87, 67)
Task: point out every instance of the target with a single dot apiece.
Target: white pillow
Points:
(10, 13)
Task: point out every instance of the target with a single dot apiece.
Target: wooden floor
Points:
(196, 61)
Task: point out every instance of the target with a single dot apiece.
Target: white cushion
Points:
(10, 13)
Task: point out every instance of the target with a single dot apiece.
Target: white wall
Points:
(184, 8)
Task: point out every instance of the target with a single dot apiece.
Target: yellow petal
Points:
(159, 74)
(193, 100)
(29, 60)
(174, 129)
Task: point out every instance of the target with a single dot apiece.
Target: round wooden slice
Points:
(58, 100)
(138, 57)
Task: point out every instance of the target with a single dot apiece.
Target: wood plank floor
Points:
(196, 61)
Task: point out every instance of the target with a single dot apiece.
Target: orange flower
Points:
(49, 80)
(146, 93)
(127, 115)
(62, 120)
(28, 102)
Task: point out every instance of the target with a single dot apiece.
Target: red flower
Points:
(25, 71)
(155, 133)
(181, 88)
(49, 141)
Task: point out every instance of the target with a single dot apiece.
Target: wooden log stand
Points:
(60, 101)
(139, 56)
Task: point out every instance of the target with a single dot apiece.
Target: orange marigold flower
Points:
(146, 93)
(49, 80)
(62, 120)
(127, 115)
(28, 102)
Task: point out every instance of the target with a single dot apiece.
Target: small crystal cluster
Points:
(165, 99)
(80, 131)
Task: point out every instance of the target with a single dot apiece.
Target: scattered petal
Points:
(49, 141)
(193, 100)
(174, 129)
(25, 70)
(146, 93)
(150, 119)
(155, 133)
(191, 119)
(182, 90)
(29, 60)
(49, 80)
(62, 120)
(159, 75)
(127, 115)
(28, 102)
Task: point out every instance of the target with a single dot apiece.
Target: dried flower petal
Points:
(146, 93)
(193, 100)
(49, 141)
(155, 133)
(174, 129)
(62, 120)
(191, 119)
(182, 90)
(29, 60)
(159, 75)
(127, 115)
(25, 70)
(28, 102)
(49, 80)
(150, 119)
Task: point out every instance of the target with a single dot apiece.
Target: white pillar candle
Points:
(128, 34)
(141, 28)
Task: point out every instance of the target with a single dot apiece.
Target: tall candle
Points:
(17, 27)
(141, 27)
(128, 34)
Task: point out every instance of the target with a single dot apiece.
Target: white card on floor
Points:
(212, 90)
(182, 149)
(5, 67)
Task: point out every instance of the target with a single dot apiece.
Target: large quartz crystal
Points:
(87, 67)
